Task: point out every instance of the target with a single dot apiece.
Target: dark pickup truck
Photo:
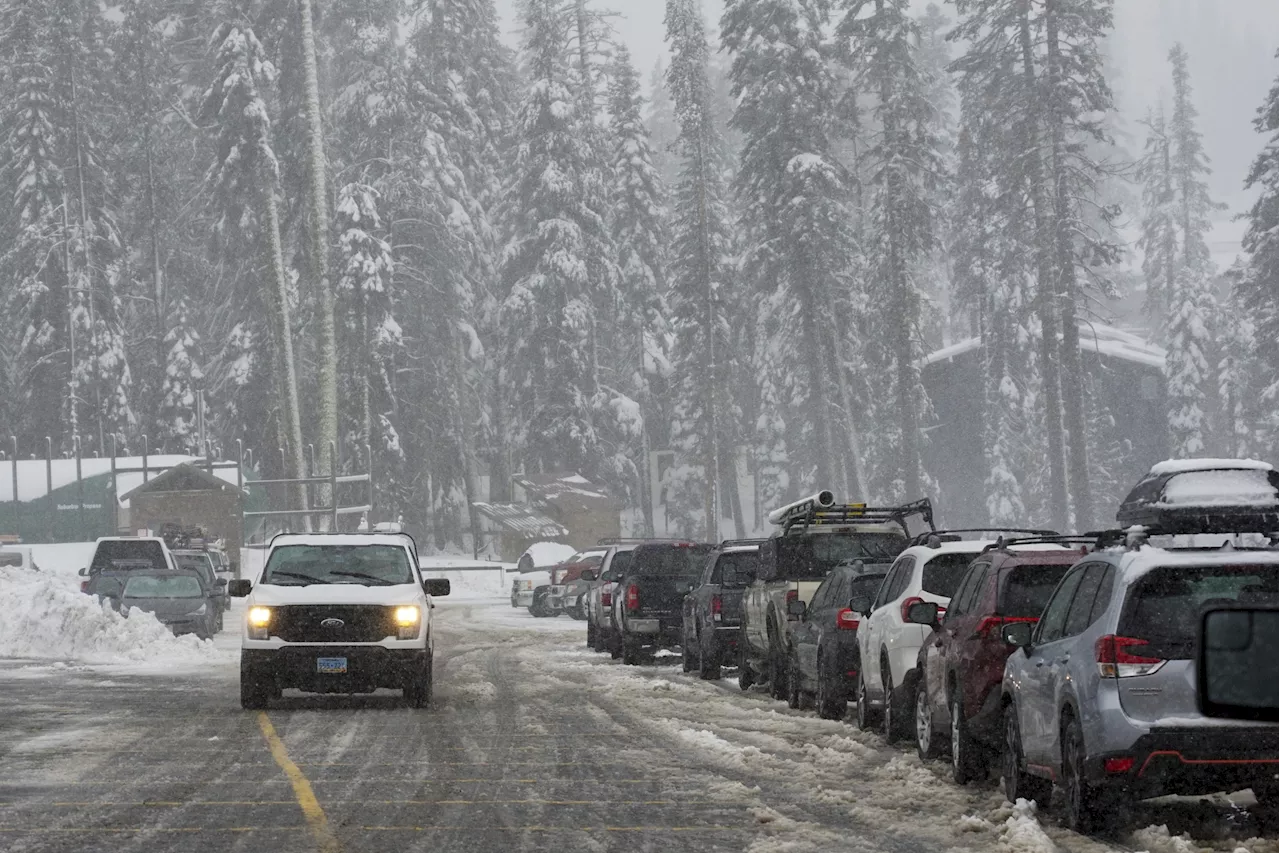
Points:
(648, 598)
(713, 611)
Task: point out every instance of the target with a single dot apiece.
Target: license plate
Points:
(331, 665)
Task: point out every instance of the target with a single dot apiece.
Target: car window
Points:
(903, 580)
(302, 565)
(827, 594)
(960, 601)
(171, 586)
(883, 594)
(1164, 606)
(1054, 619)
(1102, 600)
(670, 560)
(863, 586)
(736, 569)
(942, 574)
(1027, 589)
(1082, 605)
(618, 565)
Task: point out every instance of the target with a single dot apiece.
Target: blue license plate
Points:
(331, 665)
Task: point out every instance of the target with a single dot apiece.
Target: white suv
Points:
(888, 644)
(338, 613)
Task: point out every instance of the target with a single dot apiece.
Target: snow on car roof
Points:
(1233, 487)
(1180, 466)
(549, 553)
(342, 539)
(1135, 564)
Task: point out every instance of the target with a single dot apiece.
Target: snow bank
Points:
(544, 554)
(47, 618)
(65, 559)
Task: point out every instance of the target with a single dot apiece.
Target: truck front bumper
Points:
(367, 667)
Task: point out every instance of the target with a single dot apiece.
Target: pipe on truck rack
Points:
(821, 500)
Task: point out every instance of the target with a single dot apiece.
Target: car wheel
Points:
(1088, 807)
(777, 668)
(830, 705)
(746, 677)
(708, 661)
(686, 656)
(928, 745)
(600, 643)
(967, 761)
(615, 646)
(866, 715)
(795, 695)
(591, 636)
(1265, 812)
(1018, 783)
(254, 691)
(630, 651)
(417, 689)
(889, 723)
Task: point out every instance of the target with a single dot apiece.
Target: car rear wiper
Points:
(363, 576)
(308, 578)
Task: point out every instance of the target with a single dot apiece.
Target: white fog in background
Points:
(1232, 44)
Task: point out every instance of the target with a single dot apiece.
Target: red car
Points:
(962, 664)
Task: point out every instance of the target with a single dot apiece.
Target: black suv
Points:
(647, 599)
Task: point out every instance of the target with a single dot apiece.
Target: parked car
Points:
(602, 633)
(199, 562)
(815, 535)
(526, 584)
(18, 557)
(712, 613)
(181, 600)
(961, 664)
(567, 584)
(648, 596)
(114, 557)
(889, 644)
(538, 557)
(1100, 697)
(824, 641)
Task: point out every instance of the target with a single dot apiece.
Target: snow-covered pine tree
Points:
(1159, 238)
(879, 37)
(1192, 304)
(550, 378)
(703, 426)
(1256, 287)
(243, 181)
(182, 379)
(794, 193)
(641, 237)
(33, 283)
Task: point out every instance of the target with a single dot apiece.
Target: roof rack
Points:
(953, 534)
(633, 540)
(809, 513)
(1098, 539)
(734, 543)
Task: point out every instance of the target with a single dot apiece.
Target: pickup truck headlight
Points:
(407, 620)
(200, 611)
(259, 623)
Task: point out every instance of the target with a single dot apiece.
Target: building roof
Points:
(565, 491)
(1097, 338)
(33, 476)
(521, 519)
(184, 477)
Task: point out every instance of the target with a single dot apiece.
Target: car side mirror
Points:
(860, 604)
(222, 582)
(587, 575)
(239, 588)
(923, 613)
(796, 609)
(1233, 644)
(84, 573)
(1017, 634)
(435, 586)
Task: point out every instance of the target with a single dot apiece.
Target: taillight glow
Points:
(792, 595)
(606, 595)
(717, 608)
(633, 597)
(1117, 765)
(990, 626)
(1116, 661)
(847, 620)
(915, 599)
(84, 586)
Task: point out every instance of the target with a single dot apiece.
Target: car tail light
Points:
(847, 620)
(1117, 765)
(1116, 661)
(84, 586)
(915, 599)
(717, 608)
(606, 595)
(792, 595)
(990, 626)
(633, 597)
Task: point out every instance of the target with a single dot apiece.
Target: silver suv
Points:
(1101, 697)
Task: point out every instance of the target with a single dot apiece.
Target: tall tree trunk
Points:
(277, 294)
(1045, 291)
(73, 385)
(318, 234)
(1072, 364)
(86, 240)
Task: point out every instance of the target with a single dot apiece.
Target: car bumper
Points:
(368, 667)
(1193, 761)
(654, 631)
(726, 638)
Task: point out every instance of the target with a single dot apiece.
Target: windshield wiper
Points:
(308, 578)
(363, 576)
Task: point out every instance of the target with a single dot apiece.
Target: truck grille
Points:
(361, 623)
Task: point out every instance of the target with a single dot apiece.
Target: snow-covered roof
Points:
(521, 519)
(568, 490)
(1180, 466)
(549, 553)
(1097, 338)
(33, 476)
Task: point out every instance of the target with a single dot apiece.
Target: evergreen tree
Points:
(1159, 238)
(182, 378)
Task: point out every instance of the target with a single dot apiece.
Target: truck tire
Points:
(255, 692)
(591, 636)
(777, 667)
(601, 643)
(630, 651)
(418, 687)
(830, 700)
(746, 677)
(708, 660)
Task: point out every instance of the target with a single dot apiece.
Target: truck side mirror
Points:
(239, 588)
(795, 609)
(435, 586)
(84, 573)
(587, 575)
(1235, 644)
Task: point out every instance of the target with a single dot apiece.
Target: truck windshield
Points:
(302, 565)
(671, 560)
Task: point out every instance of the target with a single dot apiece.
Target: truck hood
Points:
(337, 593)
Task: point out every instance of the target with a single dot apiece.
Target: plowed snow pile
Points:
(47, 618)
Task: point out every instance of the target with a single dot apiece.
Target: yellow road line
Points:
(62, 804)
(120, 830)
(311, 810)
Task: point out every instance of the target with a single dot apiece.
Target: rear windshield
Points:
(1164, 606)
(942, 574)
(1027, 589)
(618, 565)
(173, 586)
(671, 560)
(199, 564)
(737, 569)
(118, 555)
(801, 557)
(367, 565)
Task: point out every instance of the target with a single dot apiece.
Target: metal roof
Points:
(521, 519)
